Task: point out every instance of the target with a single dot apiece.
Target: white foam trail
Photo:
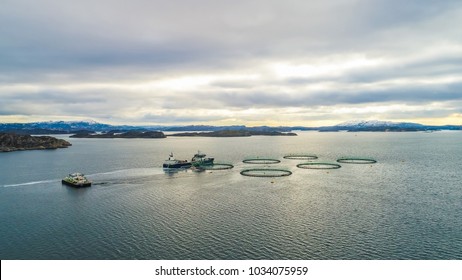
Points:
(30, 183)
(117, 174)
(124, 173)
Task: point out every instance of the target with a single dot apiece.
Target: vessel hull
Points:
(177, 165)
(84, 185)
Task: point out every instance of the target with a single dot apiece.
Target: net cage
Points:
(301, 156)
(355, 160)
(261, 161)
(265, 172)
(319, 165)
(217, 166)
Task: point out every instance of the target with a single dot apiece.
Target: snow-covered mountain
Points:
(52, 127)
(376, 123)
(70, 125)
(62, 127)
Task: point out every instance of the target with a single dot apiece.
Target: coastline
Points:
(10, 142)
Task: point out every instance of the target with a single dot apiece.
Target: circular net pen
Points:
(301, 157)
(217, 166)
(318, 165)
(261, 161)
(265, 172)
(353, 160)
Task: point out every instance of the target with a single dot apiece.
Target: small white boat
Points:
(76, 180)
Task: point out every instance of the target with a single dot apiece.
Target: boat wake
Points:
(30, 183)
(126, 173)
(102, 178)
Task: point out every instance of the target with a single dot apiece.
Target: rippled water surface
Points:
(406, 206)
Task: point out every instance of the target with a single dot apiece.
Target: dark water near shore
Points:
(406, 206)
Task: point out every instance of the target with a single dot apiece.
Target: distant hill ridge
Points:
(72, 127)
(59, 126)
(375, 123)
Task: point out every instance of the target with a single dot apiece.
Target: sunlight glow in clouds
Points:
(323, 68)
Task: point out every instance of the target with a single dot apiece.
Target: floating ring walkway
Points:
(356, 160)
(217, 166)
(265, 172)
(261, 161)
(300, 157)
(318, 165)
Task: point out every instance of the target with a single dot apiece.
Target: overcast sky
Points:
(260, 62)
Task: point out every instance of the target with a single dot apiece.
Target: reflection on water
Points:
(173, 171)
(406, 206)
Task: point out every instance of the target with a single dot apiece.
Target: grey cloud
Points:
(56, 34)
(420, 114)
(408, 95)
(427, 68)
(174, 117)
(114, 41)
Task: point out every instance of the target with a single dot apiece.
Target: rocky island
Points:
(234, 133)
(119, 134)
(10, 142)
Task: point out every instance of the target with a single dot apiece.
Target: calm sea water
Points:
(406, 206)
